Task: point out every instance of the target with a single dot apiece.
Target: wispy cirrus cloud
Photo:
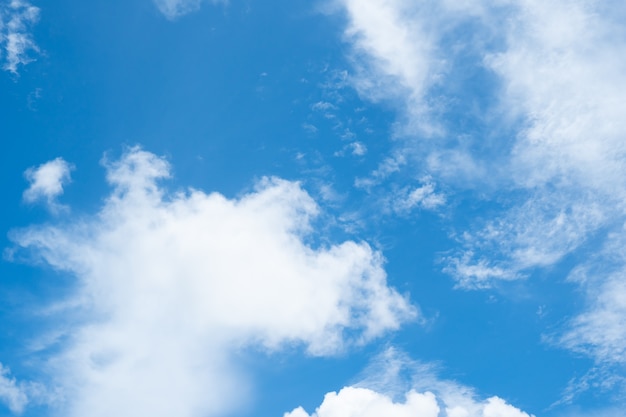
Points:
(17, 18)
(173, 9)
(11, 393)
(169, 287)
(542, 136)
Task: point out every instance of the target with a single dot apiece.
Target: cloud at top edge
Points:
(392, 52)
(17, 18)
(169, 284)
(383, 393)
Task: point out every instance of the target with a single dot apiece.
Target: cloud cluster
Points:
(171, 286)
(17, 18)
(47, 181)
(553, 132)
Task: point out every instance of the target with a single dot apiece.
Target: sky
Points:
(321, 208)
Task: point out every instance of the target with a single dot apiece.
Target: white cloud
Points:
(536, 233)
(392, 51)
(172, 286)
(176, 8)
(423, 197)
(47, 181)
(323, 106)
(561, 74)
(553, 135)
(17, 18)
(11, 393)
(564, 77)
(358, 148)
(362, 402)
(599, 331)
(379, 395)
(563, 71)
(387, 167)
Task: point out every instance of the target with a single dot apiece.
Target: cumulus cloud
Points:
(378, 395)
(47, 181)
(176, 8)
(362, 402)
(170, 286)
(17, 17)
(11, 393)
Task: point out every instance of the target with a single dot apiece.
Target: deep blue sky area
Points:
(239, 208)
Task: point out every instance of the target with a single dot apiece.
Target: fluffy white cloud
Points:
(362, 402)
(47, 181)
(169, 285)
(16, 20)
(11, 393)
(176, 8)
(378, 395)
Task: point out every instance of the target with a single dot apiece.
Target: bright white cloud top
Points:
(171, 284)
(385, 392)
(363, 402)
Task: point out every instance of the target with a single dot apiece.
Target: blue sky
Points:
(328, 208)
